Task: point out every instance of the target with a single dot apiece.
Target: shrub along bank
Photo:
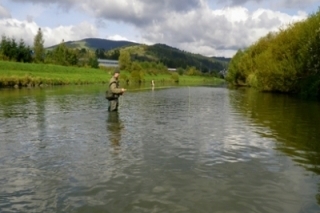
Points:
(286, 61)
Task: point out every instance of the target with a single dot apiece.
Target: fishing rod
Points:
(141, 89)
(148, 88)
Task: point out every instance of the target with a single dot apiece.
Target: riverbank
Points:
(14, 74)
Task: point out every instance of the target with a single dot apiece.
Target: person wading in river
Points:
(114, 92)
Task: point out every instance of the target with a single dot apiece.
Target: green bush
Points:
(175, 77)
(286, 61)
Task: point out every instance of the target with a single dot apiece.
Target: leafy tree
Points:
(62, 55)
(24, 52)
(175, 77)
(180, 71)
(310, 83)
(161, 67)
(233, 70)
(38, 47)
(286, 61)
(13, 52)
(124, 60)
(10, 50)
(3, 48)
(83, 51)
(93, 62)
(100, 53)
(192, 71)
(114, 55)
(137, 73)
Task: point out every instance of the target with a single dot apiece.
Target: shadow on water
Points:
(293, 122)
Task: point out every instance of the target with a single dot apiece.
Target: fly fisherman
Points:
(114, 91)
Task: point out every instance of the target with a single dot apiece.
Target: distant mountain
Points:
(169, 56)
(96, 43)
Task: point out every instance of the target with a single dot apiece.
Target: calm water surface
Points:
(184, 149)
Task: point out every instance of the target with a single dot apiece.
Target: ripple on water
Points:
(175, 150)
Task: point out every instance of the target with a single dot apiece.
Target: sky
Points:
(208, 27)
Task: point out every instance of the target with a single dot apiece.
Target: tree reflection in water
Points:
(294, 124)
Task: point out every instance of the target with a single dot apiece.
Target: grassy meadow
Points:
(14, 74)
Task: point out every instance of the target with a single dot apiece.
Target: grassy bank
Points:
(13, 74)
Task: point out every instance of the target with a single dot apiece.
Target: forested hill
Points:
(174, 57)
(169, 56)
(96, 43)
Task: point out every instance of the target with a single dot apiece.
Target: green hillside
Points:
(169, 56)
(172, 57)
(95, 43)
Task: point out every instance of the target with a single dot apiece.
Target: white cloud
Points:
(118, 38)
(193, 25)
(233, 14)
(18, 30)
(27, 30)
(69, 33)
(209, 32)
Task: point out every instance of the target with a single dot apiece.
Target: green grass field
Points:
(13, 74)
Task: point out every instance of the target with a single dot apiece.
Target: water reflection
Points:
(198, 149)
(115, 128)
(292, 122)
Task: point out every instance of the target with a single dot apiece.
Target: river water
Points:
(179, 149)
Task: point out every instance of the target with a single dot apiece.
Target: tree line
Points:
(11, 50)
(285, 61)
